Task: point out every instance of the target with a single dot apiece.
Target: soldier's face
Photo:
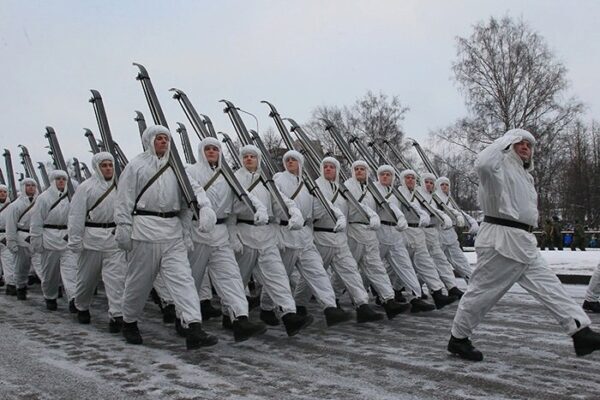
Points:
(61, 183)
(329, 171)
(409, 181)
(523, 150)
(445, 187)
(292, 165)
(161, 144)
(3, 195)
(250, 162)
(429, 185)
(107, 169)
(360, 173)
(385, 178)
(30, 189)
(212, 154)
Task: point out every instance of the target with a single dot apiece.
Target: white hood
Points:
(334, 161)
(209, 141)
(404, 173)
(148, 140)
(53, 175)
(524, 135)
(22, 187)
(424, 177)
(251, 149)
(387, 168)
(296, 155)
(360, 163)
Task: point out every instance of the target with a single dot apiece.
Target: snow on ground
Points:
(563, 262)
(48, 355)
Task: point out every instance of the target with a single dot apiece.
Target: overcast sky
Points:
(297, 55)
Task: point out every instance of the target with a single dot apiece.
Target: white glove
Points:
(296, 220)
(123, 237)
(374, 222)
(474, 227)
(37, 244)
(506, 141)
(236, 243)
(424, 220)
(12, 246)
(447, 224)
(188, 242)
(460, 220)
(207, 218)
(402, 225)
(340, 225)
(261, 217)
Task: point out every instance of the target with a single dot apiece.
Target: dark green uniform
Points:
(578, 237)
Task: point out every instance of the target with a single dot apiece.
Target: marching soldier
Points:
(6, 257)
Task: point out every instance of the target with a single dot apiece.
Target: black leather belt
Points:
(100, 224)
(509, 223)
(318, 229)
(413, 225)
(247, 221)
(221, 221)
(23, 230)
(360, 223)
(59, 227)
(168, 214)
(286, 223)
(388, 223)
(2, 230)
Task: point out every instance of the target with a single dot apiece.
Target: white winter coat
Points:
(16, 219)
(42, 214)
(359, 231)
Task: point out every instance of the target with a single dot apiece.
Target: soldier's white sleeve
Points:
(126, 194)
(77, 214)
(12, 240)
(39, 212)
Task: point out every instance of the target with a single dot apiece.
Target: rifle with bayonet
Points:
(86, 171)
(232, 150)
(313, 157)
(202, 132)
(77, 168)
(10, 176)
(58, 158)
(44, 174)
(141, 122)
(92, 140)
(310, 183)
(347, 152)
(185, 143)
(209, 125)
(28, 165)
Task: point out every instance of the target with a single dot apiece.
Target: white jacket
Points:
(331, 192)
(507, 191)
(18, 217)
(51, 208)
(86, 195)
(3, 214)
(357, 229)
(163, 195)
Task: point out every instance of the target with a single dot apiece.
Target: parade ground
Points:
(48, 355)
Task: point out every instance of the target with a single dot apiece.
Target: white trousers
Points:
(457, 259)
(400, 265)
(8, 265)
(310, 265)
(205, 292)
(593, 289)
(268, 269)
(109, 266)
(444, 268)
(145, 261)
(341, 261)
(422, 261)
(224, 274)
(495, 274)
(54, 265)
(22, 264)
(369, 261)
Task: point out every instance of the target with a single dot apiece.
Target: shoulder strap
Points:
(101, 198)
(298, 189)
(5, 206)
(25, 212)
(150, 182)
(212, 179)
(61, 198)
(253, 185)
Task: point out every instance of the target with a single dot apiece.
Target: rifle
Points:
(313, 157)
(28, 165)
(2, 181)
(104, 127)
(310, 183)
(92, 140)
(141, 122)
(185, 143)
(202, 132)
(44, 174)
(441, 205)
(209, 125)
(431, 169)
(347, 152)
(57, 157)
(10, 176)
(267, 169)
(174, 160)
(86, 171)
(77, 168)
(232, 150)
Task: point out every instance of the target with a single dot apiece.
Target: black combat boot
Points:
(294, 323)
(208, 311)
(11, 290)
(398, 296)
(131, 333)
(226, 322)
(1, 281)
(168, 313)
(591, 306)
(84, 316)
(586, 341)
(301, 310)
(72, 308)
(115, 324)
(197, 338)
(419, 305)
(243, 329)
(464, 349)
(181, 331)
(334, 316)
(51, 304)
(456, 292)
(22, 293)
(441, 300)
(365, 313)
(253, 302)
(392, 308)
(269, 317)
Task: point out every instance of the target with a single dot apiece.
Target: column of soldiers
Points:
(138, 233)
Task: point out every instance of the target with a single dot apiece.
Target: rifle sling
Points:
(149, 183)
(101, 199)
